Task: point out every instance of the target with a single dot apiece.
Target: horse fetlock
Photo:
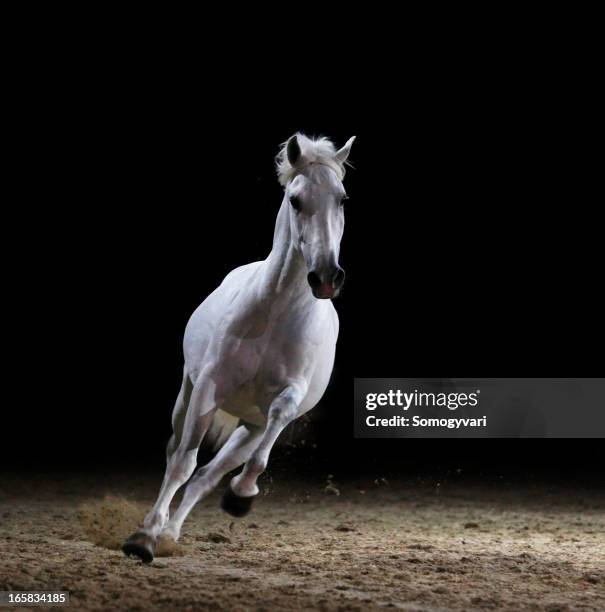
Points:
(243, 487)
(154, 522)
(170, 532)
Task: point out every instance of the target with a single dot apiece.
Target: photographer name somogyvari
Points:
(403, 400)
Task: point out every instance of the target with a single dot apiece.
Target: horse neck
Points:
(285, 274)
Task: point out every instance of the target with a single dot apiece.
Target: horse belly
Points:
(243, 405)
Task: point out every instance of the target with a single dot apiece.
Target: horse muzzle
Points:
(327, 283)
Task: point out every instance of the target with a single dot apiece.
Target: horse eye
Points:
(295, 201)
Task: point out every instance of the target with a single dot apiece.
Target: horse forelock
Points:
(318, 150)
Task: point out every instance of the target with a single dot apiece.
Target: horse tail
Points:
(222, 426)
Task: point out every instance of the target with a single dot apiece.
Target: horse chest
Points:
(265, 362)
(259, 368)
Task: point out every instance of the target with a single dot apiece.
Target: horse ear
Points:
(293, 150)
(342, 154)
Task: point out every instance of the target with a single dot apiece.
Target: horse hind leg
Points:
(236, 451)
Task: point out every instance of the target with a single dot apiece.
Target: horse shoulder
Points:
(203, 322)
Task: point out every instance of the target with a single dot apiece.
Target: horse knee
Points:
(283, 412)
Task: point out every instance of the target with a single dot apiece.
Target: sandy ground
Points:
(305, 547)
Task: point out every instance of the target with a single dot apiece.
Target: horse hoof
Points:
(140, 545)
(236, 505)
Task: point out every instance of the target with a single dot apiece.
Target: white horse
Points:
(259, 351)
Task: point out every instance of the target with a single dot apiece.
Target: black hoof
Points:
(235, 504)
(140, 545)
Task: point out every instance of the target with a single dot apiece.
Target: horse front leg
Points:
(180, 466)
(243, 488)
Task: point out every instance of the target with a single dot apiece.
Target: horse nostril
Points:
(314, 280)
(338, 279)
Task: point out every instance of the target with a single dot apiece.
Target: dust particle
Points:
(331, 487)
(217, 538)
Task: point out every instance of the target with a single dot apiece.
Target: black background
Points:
(471, 249)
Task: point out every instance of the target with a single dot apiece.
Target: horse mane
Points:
(318, 150)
